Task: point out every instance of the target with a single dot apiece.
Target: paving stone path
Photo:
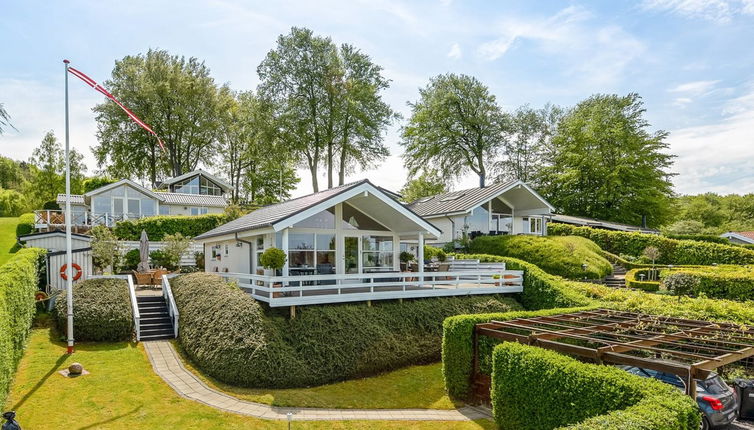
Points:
(168, 366)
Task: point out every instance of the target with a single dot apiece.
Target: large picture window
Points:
(377, 253)
(310, 253)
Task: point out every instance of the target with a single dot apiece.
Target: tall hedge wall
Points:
(561, 256)
(700, 238)
(18, 284)
(535, 389)
(102, 310)
(722, 282)
(25, 224)
(159, 226)
(672, 251)
(231, 337)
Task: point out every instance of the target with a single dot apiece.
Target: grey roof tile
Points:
(457, 201)
(193, 199)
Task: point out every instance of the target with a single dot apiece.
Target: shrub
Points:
(721, 282)
(12, 203)
(175, 246)
(431, 252)
(529, 385)
(131, 259)
(405, 257)
(563, 256)
(105, 248)
(273, 258)
(159, 258)
(633, 280)
(230, 337)
(25, 224)
(159, 226)
(676, 252)
(18, 283)
(103, 310)
(700, 237)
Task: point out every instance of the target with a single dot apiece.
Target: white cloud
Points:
(455, 51)
(721, 11)
(695, 87)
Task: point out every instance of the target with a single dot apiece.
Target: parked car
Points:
(717, 401)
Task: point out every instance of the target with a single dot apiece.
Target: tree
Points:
(326, 103)
(529, 149)
(106, 249)
(95, 182)
(11, 176)
(49, 159)
(12, 203)
(4, 119)
(455, 127)
(429, 183)
(607, 165)
(177, 97)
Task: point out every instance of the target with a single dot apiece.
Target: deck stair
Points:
(155, 320)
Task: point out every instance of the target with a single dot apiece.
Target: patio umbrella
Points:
(143, 253)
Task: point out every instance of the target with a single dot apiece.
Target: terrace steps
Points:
(155, 323)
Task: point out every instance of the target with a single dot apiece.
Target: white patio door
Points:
(352, 254)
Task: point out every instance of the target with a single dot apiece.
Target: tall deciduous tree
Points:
(456, 127)
(49, 159)
(177, 97)
(4, 119)
(327, 104)
(429, 183)
(608, 165)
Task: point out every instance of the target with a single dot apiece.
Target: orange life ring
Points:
(77, 269)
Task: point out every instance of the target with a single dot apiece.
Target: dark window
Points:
(353, 219)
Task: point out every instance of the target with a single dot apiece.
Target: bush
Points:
(159, 258)
(633, 280)
(721, 282)
(131, 260)
(700, 237)
(18, 284)
(103, 310)
(12, 203)
(229, 336)
(676, 252)
(51, 205)
(563, 256)
(533, 389)
(25, 224)
(105, 248)
(273, 258)
(431, 252)
(159, 226)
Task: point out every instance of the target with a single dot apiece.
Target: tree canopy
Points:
(429, 183)
(49, 160)
(606, 163)
(456, 127)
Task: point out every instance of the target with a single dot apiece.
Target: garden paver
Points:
(167, 365)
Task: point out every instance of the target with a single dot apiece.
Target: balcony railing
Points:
(318, 289)
(56, 218)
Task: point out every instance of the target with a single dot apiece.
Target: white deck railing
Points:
(167, 293)
(318, 289)
(55, 218)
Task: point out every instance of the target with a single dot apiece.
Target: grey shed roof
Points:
(269, 215)
(193, 199)
(457, 201)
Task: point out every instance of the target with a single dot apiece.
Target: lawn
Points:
(407, 388)
(122, 392)
(7, 238)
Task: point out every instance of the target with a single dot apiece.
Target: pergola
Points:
(688, 348)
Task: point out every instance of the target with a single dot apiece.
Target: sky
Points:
(690, 60)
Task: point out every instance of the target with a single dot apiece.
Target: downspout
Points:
(251, 259)
(452, 229)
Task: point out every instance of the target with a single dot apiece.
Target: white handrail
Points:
(167, 293)
(134, 306)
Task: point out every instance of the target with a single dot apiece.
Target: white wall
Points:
(186, 210)
(232, 258)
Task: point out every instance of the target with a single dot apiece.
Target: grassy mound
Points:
(102, 310)
(557, 255)
(231, 338)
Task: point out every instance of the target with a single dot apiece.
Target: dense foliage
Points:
(712, 214)
(428, 183)
(18, 283)
(157, 227)
(721, 282)
(558, 255)
(25, 224)
(672, 251)
(528, 385)
(230, 337)
(635, 280)
(700, 238)
(103, 310)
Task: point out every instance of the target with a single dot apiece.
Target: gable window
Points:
(197, 185)
(354, 219)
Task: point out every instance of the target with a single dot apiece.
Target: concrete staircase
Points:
(155, 321)
(617, 279)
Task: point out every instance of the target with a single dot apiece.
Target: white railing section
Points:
(132, 295)
(331, 288)
(167, 293)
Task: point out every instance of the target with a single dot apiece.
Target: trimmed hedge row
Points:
(102, 308)
(633, 280)
(561, 256)
(533, 388)
(18, 284)
(672, 251)
(159, 226)
(25, 224)
(232, 338)
(722, 282)
(700, 238)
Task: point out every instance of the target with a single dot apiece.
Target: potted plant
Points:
(405, 258)
(273, 258)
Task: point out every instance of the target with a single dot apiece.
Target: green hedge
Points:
(25, 224)
(18, 284)
(102, 310)
(534, 389)
(558, 255)
(700, 238)
(633, 280)
(722, 282)
(159, 226)
(230, 337)
(676, 252)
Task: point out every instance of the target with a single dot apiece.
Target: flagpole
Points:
(69, 255)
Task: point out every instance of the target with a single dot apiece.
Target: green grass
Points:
(122, 392)
(407, 388)
(7, 238)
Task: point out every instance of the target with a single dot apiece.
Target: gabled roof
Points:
(193, 199)
(596, 223)
(465, 200)
(76, 199)
(743, 236)
(53, 233)
(279, 215)
(199, 172)
(129, 182)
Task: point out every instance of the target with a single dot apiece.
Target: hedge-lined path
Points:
(168, 366)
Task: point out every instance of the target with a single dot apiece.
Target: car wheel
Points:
(705, 424)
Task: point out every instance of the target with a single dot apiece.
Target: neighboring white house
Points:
(739, 237)
(502, 208)
(194, 193)
(342, 244)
